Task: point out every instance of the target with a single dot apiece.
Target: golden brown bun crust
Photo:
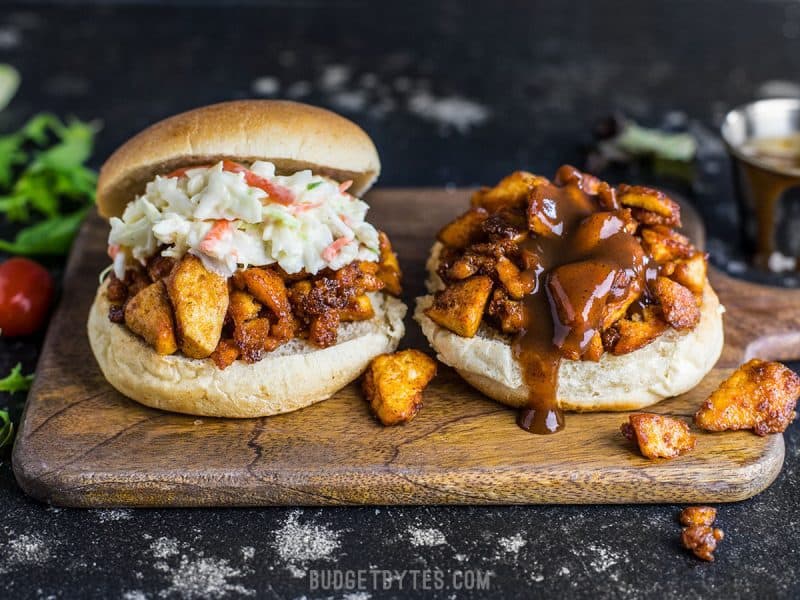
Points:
(294, 136)
(672, 364)
(294, 376)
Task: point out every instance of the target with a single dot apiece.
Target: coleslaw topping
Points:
(232, 216)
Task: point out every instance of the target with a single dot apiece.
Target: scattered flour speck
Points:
(134, 595)
(266, 86)
(334, 77)
(298, 89)
(9, 38)
(108, 515)
(248, 552)
(513, 544)
(449, 111)
(164, 547)
(26, 549)
(352, 101)
(426, 537)
(204, 578)
(602, 558)
(298, 544)
(357, 596)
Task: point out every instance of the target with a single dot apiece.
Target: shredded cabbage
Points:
(216, 215)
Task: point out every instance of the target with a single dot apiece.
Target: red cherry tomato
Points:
(26, 290)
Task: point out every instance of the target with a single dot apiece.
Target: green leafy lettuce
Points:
(43, 176)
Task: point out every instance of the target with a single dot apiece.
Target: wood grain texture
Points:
(83, 444)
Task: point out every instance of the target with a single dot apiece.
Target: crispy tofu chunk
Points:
(544, 218)
(664, 244)
(649, 200)
(389, 267)
(759, 395)
(393, 385)
(658, 436)
(516, 284)
(358, 309)
(702, 540)
(269, 289)
(511, 192)
(698, 515)
(634, 333)
(691, 273)
(149, 315)
(253, 339)
(462, 231)
(200, 301)
(568, 174)
(459, 307)
(242, 307)
(509, 313)
(677, 303)
(225, 354)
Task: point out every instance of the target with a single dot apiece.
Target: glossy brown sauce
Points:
(587, 262)
(767, 185)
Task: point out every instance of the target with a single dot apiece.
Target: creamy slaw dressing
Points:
(213, 213)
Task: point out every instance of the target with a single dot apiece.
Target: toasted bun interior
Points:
(672, 364)
(294, 376)
(291, 135)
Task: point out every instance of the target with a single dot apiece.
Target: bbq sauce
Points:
(587, 263)
(774, 169)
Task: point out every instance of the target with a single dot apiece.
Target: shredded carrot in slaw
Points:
(333, 250)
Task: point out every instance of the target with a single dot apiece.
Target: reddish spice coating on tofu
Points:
(759, 395)
(702, 540)
(658, 436)
(256, 310)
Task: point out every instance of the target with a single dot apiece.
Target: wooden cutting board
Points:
(83, 444)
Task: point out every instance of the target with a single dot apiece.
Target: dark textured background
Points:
(520, 85)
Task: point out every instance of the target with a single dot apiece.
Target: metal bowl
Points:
(775, 117)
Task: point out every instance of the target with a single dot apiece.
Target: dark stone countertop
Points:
(453, 94)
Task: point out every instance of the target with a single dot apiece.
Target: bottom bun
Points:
(294, 376)
(672, 364)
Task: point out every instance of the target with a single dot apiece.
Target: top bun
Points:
(291, 135)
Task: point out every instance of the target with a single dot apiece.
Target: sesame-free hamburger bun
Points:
(670, 365)
(293, 137)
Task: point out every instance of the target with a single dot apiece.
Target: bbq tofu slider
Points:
(245, 279)
(571, 294)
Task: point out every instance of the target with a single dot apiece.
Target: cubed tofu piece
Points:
(268, 288)
(459, 307)
(702, 540)
(698, 515)
(253, 339)
(663, 244)
(461, 232)
(759, 395)
(677, 303)
(650, 200)
(588, 183)
(633, 333)
(544, 217)
(514, 281)
(149, 315)
(659, 436)
(691, 273)
(600, 226)
(200, 300)
(225, 354)
(509, 313)
(242, 307)
(359, 308)
(389, 267)
(511, 192)
(393, 385)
